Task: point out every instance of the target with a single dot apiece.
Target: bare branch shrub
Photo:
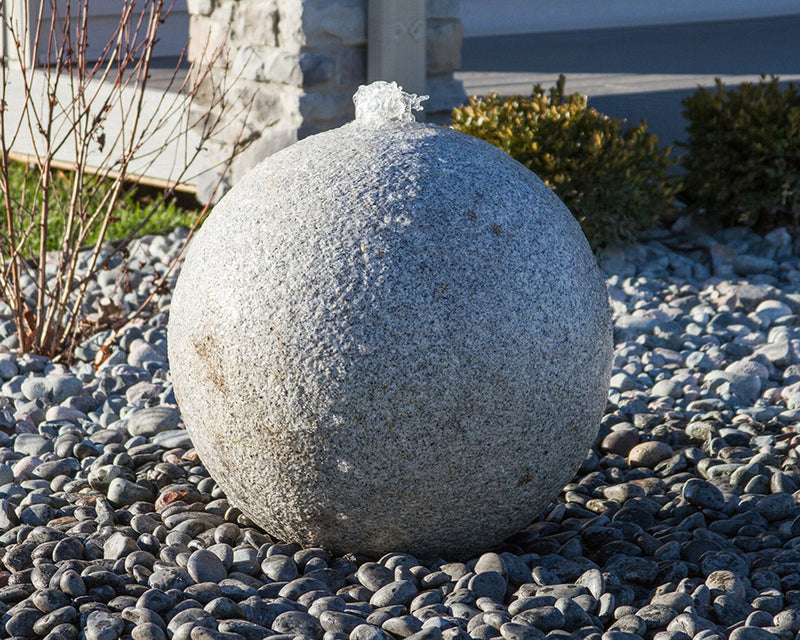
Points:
(112, 125)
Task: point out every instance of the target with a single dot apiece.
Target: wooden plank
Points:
(149, 181)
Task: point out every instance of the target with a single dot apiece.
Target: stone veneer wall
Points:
(293, 66)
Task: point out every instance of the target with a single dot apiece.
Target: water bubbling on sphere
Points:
(382, 102)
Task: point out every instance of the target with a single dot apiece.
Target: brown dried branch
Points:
(78, 116)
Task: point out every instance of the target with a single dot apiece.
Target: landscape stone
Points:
(172, 439)
(167, 578)
(153, 420)
(204, 566)
(58, 412)
(331, 338)
(8, 366)
(402, 626)
(297, 623)
(35, 387)
(148, 631)
(515, 631)
(374, 576)
(398, 592)
(649, 454)
(142, 352)
(21, 623)
(751, 633)
(703, 494)
(489, 562)
(63, 387)
(368, 632)
(32, 444)
(6, 474)
(122, 492)
(489, 584)
(103, 625)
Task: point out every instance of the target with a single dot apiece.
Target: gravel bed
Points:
(682, 522)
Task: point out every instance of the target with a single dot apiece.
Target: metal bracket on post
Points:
(396, 41)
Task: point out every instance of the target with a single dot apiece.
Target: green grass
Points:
(135, 204)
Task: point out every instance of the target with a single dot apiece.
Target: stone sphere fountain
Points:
(391, 336)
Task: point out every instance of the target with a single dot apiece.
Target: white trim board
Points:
(163, 123)
(505, 17)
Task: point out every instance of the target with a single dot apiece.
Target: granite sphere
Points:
(391, 338)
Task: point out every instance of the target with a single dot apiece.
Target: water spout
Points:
(381, 103)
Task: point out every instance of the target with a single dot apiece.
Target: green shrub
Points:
(611, 176)
(743, 154)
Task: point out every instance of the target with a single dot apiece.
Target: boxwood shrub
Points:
(612, 176)
(743, 154)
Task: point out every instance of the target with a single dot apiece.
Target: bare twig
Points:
(83, 100)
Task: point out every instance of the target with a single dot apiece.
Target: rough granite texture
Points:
(391, 338)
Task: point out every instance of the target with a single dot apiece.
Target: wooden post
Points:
(396, 41)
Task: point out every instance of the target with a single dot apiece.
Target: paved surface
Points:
(639, 72)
